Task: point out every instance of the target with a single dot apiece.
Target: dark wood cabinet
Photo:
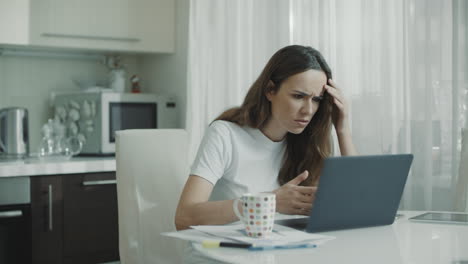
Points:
(90, 218)
(47, 219)
(85, 222)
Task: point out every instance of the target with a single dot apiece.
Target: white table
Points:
(403, 242)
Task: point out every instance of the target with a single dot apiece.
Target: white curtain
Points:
(229, 43)
(460, 77)
(393, 60)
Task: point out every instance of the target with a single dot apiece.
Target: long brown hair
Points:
(304, 151)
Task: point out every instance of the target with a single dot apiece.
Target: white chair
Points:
(152, 167)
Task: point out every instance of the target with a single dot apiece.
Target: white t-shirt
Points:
(238, 160)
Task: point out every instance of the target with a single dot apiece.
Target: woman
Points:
(276, 141)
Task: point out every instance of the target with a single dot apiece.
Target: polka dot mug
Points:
(258, 213)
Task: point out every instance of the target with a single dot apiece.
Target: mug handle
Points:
(235, 208)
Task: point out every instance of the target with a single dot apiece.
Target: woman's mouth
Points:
(302, 122)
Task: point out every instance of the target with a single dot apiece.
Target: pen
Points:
(259, 248)
(252, 247)
(216, 244)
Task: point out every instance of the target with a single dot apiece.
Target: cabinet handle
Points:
(51, 227)
(11, 214)
(103, 182)
(57, 35)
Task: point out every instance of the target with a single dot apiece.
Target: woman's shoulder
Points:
(224, 126)
(231, 130)
(226, 129)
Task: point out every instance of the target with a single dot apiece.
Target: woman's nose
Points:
(307, 107)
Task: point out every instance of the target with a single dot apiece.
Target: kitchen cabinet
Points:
(83, 218)
(15, 220)
(46, 218)
(104, 25)
(14, 22)
(90, 231)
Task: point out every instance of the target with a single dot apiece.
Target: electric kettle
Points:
(14, 137)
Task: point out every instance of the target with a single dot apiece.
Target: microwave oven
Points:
(94, 117)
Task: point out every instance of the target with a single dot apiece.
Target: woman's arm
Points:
(340, 120)
(346, 144)
(195, 209)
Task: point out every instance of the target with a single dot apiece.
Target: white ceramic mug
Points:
(258, 213)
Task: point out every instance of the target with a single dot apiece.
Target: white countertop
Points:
(34, 167)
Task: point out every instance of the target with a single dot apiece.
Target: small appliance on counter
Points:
(14, 137)
(94, 117)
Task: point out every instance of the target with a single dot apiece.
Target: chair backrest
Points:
(152, 167)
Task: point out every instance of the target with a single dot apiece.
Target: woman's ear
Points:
(270, 90)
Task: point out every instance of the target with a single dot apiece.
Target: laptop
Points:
(356, 191)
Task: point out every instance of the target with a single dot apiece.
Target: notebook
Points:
(356, 191)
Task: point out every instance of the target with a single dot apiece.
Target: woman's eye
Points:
(317, 99)
(298, 96)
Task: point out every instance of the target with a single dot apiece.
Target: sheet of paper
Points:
(281, 235)
(195, 236)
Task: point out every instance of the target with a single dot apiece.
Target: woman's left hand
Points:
(340, 111)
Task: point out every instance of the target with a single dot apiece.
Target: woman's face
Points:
(294, 104)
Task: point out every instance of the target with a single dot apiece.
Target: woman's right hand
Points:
(294, 199)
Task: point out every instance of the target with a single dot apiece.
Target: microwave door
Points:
(129, 115)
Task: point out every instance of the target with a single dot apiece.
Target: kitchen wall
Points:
(27, 81)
